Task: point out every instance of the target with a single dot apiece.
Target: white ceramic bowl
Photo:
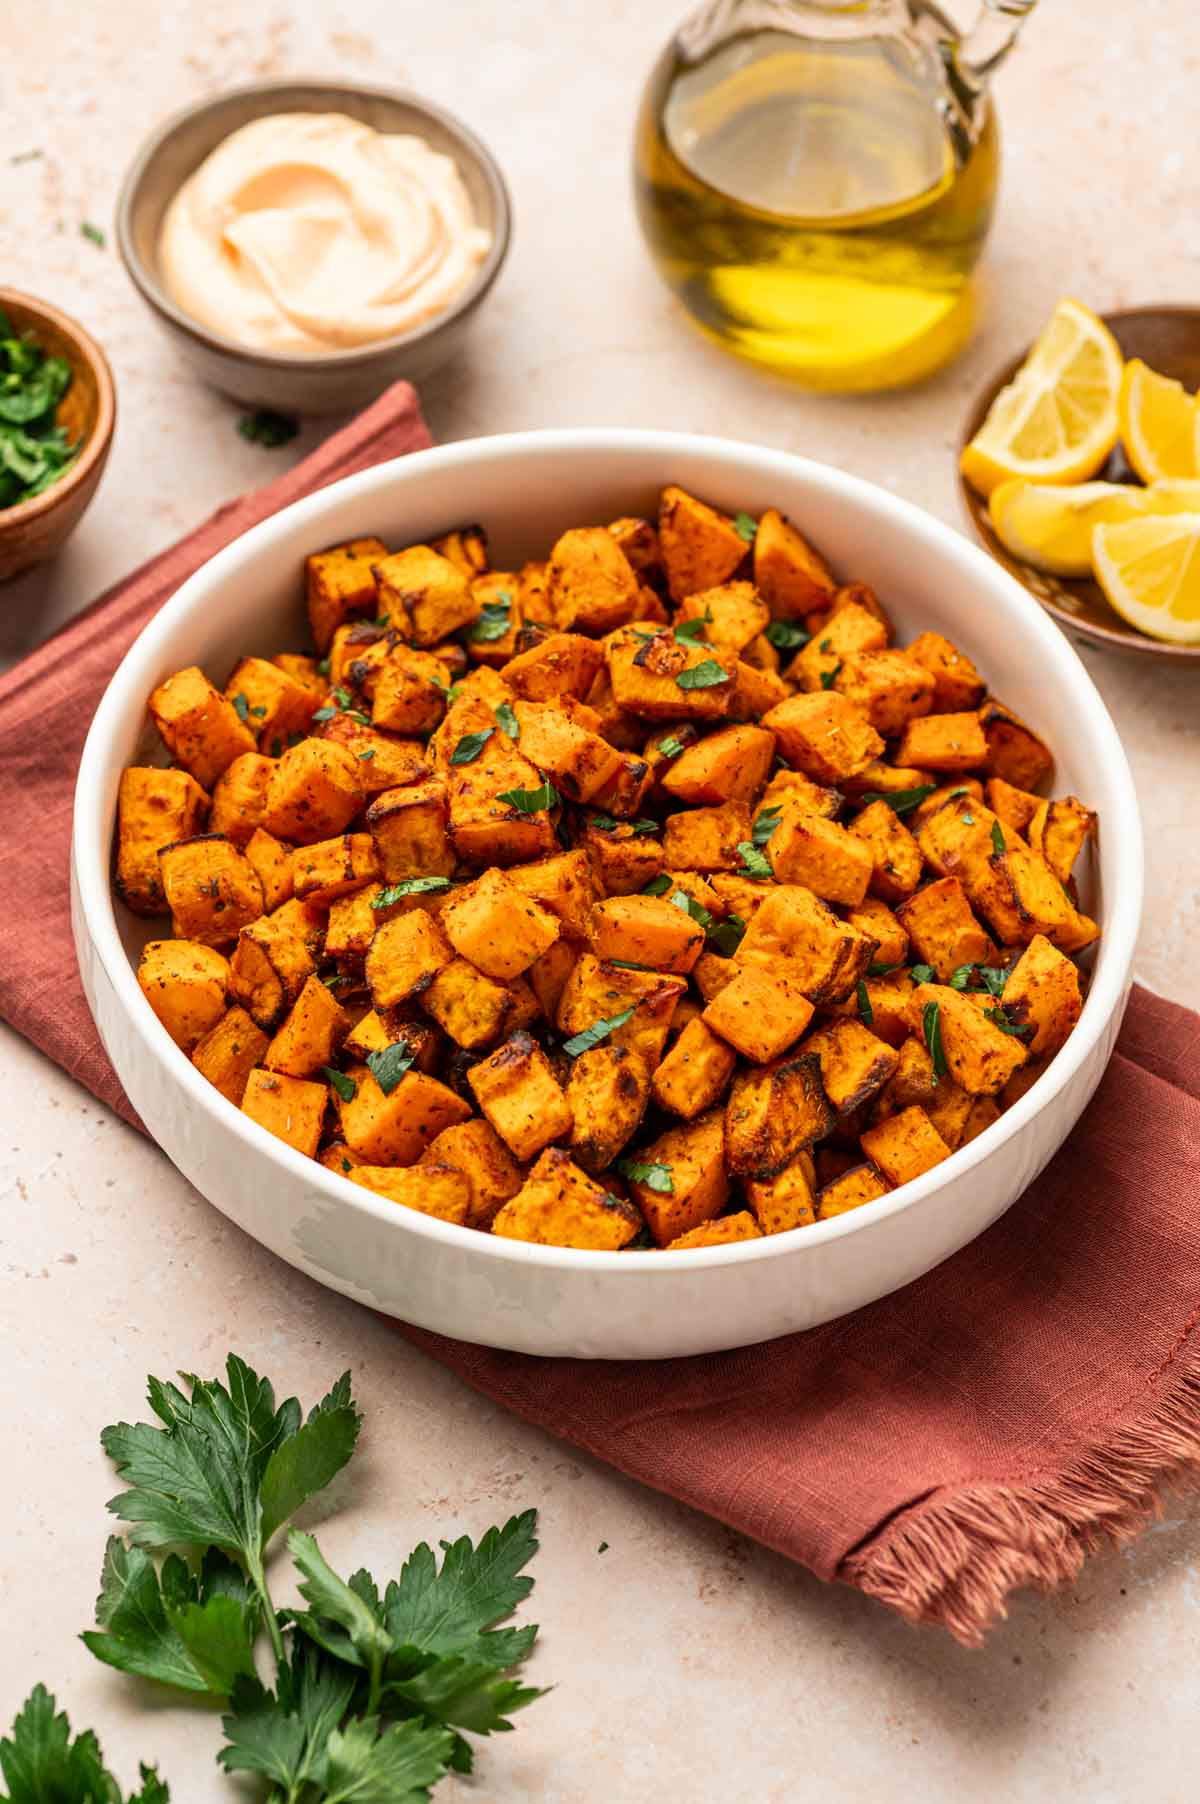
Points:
(527, 488)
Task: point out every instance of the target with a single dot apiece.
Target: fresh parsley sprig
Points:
(43, 1764)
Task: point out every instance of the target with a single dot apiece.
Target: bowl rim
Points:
(156, 297)
(92, 825)
(95, 445)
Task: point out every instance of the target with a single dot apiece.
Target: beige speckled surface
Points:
(689, 1665)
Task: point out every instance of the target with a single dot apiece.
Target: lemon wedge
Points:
(1057, 419)
(1158, 424)
(1150, 571)
(1049, 525)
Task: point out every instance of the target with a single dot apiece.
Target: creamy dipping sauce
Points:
(306, 233)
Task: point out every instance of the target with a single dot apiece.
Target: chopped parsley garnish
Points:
(323, 667)
(34, 451)
(997, 839)
(495, 618)
(388, 1065)
(653, 1175)
(864, 1003)
(690, 906)
(785, 635)
(605, 822)
(877, 970)
(901, 801)
(531, 801)
(993, 978)
(746, 527)
(754, 863)
(688, 632)
(265, 427)
(596, 1033)
(365, 757)
(922, 974)
(825, 645)
(765, 824)
(470, 746)
(507, 721)
(960, 978)
(241, 707)
(409, 886)
(642, 828)
(92, 233)
(657, 886)
(999, 1019)
(342, 702)
(335, 981)
(830, 677)
(703, 676)
(670, 747)
(726, 936)
(931, 1022)
(345, 1086)
(627, 964)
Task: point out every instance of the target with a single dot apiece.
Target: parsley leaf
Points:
(194, 1633)
(931, 1023)
(531, 801)
(470, 746)
(864, 1003)
(960, 977)
(283, 1735)
(703, 676)
(690, 906)
(654, 1176)
(345, 1086)
(922, 974)
(409, 886)
(993, 978)
(997, 839)
(241, 707)
(785, 635)
(999, 1019)
(878, 970)
(597, 1032)
(657, 886)
(746, 527)
(388, 1065)
(726, 936)
(765, 823)
(495, 618)
(92, 233)
(267, 428)
(507, 721)
(688, 632)
(830, 677)
(754, 863)
(670, 747)
(627, 964)
(42, 1764)
(902, 801)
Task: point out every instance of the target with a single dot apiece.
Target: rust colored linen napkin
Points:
(981, 1430)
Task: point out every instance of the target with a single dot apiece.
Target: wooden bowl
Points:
(34, 530)
(1168, 339)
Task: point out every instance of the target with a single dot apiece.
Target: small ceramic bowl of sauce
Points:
(307, 243)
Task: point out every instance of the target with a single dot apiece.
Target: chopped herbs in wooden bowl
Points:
(34, 449)
(648, 896)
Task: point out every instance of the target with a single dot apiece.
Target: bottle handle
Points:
(984, 47)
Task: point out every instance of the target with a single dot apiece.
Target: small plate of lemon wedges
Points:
(1080, 469)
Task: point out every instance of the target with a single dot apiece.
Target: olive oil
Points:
(813, 207)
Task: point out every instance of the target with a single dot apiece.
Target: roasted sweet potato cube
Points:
(597, 992)
(888, 686)
(559, 1205)
(476, 1010)
(1013, 889)
(521, 1097)
(375, 1032)
(944, 742)
(942, 930)
(202, 730)
(353, 921)
(855, 1063)
(1059, 831)
(466, 547)
(498, 927)
(660, 678)
(154, 809)
(228, 1053)
(334, 867)
(876, 919)
(706, 839)
(949, 1109)
(271, 963)
(761, 1012)
(959, 686)
(834, 864)
(623, 861)
(693, 1076)
(830, 954)
(728, 618)
(302, 669)
(645, 930)
(383, 762)
(911, 1082)
(239, 799)
(791, 575)
(432, 1188)
(580, 762)
(404, 957)
(895, 854)
(336, 1156)
(981, 1050)
(946, 792)
(273, 704)
(882, 779)
(547, 976)
(729, 765)
(424, 596)
(1014, 750)
(861, 1184)
(184, 981)
(476, 1150)
(890, 1011)
(314, 793)
(291, 1108)
(852, 629)
(791, 788)
(590, 583)
(497, 633)
(825, 736)
(984, 1110)
(1013, 807)
(626, 790)
(1042, 991)
(607, 1093)
(700, 547)
(563, 884)
(409, 827)
(754, 692)
(356, 657)
(774, 1112)
(712, 973)
(784, 1200)
(338, 583)
(395, 1129)
(724, 1231)
(312, 1035)
(696, 888)
(639, 544)
(409, 691)
(211, 889)
(559, 664)
(736, 896)
(485, 827)
(904, 1146)
(694, 1157)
